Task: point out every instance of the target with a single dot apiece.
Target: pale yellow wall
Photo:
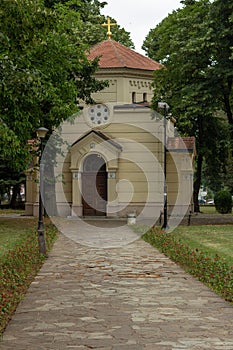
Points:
(139, 164)
(130, 159)
(180, 179)
(139, 171)
(122, 85)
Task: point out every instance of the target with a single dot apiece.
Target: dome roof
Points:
(115, 55)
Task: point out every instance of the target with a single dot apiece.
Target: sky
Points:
(139, 16)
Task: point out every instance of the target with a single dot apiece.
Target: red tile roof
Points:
(181, 144)
(115, 55)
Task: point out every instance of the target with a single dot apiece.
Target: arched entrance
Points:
(94, 186)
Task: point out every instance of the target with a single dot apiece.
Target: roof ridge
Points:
(117, 53)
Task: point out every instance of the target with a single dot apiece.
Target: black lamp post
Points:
(41, 133)
(165, 107)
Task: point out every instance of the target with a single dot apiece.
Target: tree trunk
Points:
(227, 97)
(197, 183)
(13, 202)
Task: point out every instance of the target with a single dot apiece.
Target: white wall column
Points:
(112, 204)
(77, 208)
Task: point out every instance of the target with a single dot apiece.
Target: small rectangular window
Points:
(133, 97)
(144, 97)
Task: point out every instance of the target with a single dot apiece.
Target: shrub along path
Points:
(127, 298)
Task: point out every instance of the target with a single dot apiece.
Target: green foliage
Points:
(221, 38)
(15, 156)
(187, 2)
(92, 30)
(223, 179)
(40, 61)
(194, 44)
(223, 202)
(214, 272)
(44, 71)
(18, 267)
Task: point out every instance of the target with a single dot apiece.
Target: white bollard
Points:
(131, 219)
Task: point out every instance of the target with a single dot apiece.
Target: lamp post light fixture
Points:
(165, 107)
(41, 133)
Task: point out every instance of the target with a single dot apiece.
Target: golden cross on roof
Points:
(109, 24)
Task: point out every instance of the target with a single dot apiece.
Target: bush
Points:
(223, 202)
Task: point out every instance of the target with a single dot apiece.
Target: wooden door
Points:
(94, 187)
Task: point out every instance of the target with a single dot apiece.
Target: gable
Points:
(98, 143)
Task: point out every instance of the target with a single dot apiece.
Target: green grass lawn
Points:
(13, 232)
(211, 239)
(20, 260)
(11, 211)
(208, 209)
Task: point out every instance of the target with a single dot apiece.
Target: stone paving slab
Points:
(127, 298)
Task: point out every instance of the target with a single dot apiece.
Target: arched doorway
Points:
(94, 186)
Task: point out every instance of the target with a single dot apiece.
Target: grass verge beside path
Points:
(203, 251)
(20, 261)
(212, 239)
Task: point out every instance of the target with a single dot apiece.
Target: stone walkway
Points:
(126, 298)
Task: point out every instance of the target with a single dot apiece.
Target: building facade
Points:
(112, 159)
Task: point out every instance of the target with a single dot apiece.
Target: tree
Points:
(182, 42)
(43, 70)
(92, 31)
(221, 37)
(11, 153)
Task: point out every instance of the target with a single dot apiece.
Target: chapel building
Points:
(115, 163)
